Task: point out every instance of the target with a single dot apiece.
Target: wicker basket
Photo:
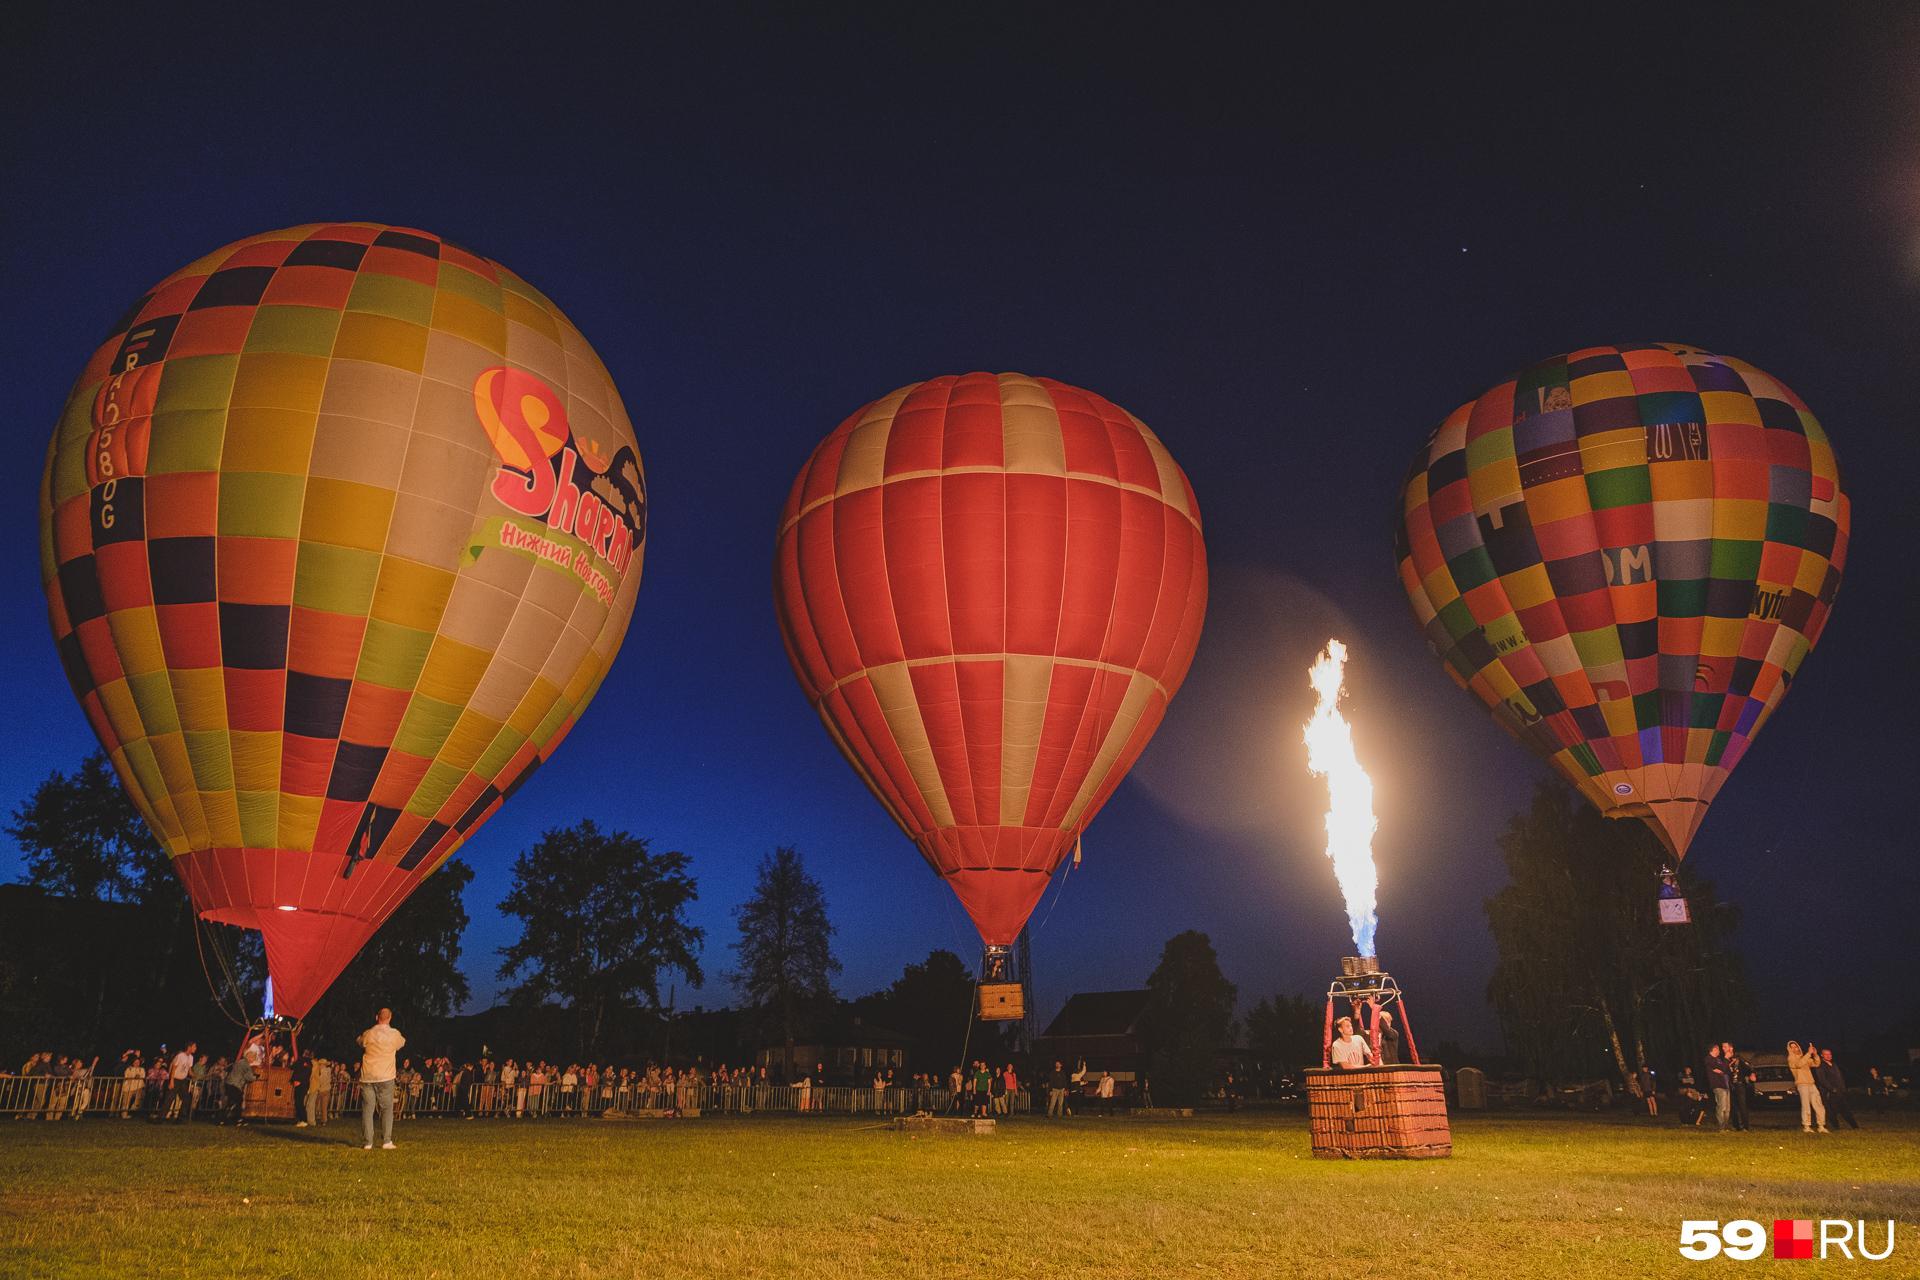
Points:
(1379, 1113)
(269, 1095)
(1002, 1002)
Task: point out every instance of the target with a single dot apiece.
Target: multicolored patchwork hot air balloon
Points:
(1626, 552)
(341, 528)
(990, 586)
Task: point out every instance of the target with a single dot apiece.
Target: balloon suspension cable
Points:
(1059, 890)
(966, 1041)
(203, 937)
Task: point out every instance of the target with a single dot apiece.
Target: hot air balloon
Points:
(990, 586)
(1626, 553)
(341, 528)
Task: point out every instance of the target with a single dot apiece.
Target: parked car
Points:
(1773, 1083)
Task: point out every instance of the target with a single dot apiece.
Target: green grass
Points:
(1524, 1196)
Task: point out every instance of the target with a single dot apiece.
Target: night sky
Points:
(1290, 249)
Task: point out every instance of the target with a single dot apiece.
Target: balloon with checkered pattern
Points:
(341, 528)
(1626, 553)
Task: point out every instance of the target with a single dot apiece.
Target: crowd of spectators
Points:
(190, 1084)
(1723, 1088)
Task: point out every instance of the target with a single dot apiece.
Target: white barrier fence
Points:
(77, 1097)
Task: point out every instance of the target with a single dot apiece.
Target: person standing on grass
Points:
(301, 1078)
(1057, 1091)
(197, 1094)
(1812, 1108)
(1833, 1090)
(1739, 1076)
(180, 1079)
(133, 1079)
(239, 1076)
(1719, 1087)
(82, 1096)
(378, 1045)
(319, 1085)
(158, 1091)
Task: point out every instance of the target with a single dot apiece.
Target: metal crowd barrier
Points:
(74, 1097)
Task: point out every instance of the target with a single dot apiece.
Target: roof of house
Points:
(1099, 1013)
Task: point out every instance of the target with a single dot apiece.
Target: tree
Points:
(932, 1003)
(412, 963)
(1585, 967)
(785, 945)
(1188, 1019)
(82, 838)
(602, 918)
(1283, 1032)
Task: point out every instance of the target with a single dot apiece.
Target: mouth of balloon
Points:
(334, 914)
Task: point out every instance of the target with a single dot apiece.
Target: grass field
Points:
(1524, 1196)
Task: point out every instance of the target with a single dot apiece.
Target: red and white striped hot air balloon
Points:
(990, 587)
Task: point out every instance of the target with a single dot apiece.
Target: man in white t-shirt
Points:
(1350, 1048)
(179, 1080)
(378, 1045)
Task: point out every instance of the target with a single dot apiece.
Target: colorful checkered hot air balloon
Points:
(341, 528)
(1626, 552)
(990, 586)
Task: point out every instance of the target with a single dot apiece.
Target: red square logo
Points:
(1792, 1238)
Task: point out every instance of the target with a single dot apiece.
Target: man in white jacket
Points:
(378, 1044)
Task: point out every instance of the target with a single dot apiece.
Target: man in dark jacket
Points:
(1739, 1080)
(301, 1079)
(1057, 1090)
(1387, 1039)
(1719, 1087)
(1833, 1090)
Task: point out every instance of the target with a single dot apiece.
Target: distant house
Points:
(852, 1049)
(1101, 1029)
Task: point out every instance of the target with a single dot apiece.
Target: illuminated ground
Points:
(1547, 1196)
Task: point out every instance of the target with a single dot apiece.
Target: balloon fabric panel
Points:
(1626, 552)
(989, 587)
(341, 528)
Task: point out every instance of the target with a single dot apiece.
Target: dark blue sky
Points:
(1290, 248)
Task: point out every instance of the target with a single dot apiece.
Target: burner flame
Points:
(1350, 820)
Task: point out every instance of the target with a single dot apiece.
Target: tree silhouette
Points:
(1584, 961)
(82, 838)
(1188, 1018)
(1283, 1033)
(602, 918)
(785, 946)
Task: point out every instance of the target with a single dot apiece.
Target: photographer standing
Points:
(1802, 1065)
(378, 1044)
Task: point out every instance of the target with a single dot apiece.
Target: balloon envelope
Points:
(990, 586)
(340, 529)
(1626, 552)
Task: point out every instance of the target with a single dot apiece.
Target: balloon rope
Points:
(1059, 891)
(219, 999)
(966, 1042)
